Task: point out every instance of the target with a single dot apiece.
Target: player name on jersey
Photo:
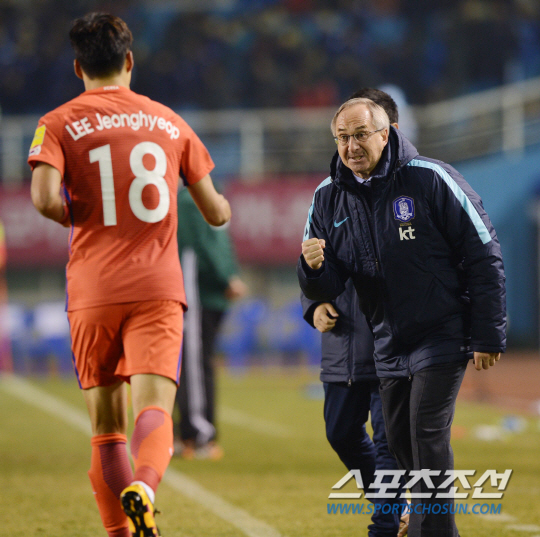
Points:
(82, 127)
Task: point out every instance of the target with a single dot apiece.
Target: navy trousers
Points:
(346, 411)
(418, 414)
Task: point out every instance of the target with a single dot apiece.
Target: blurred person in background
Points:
(427, 266)
(107, 164)
(212, 282)
(407, 122)
(351, 386)
(6, 363)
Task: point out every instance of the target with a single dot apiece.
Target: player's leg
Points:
(151, 448)
(97, 347)
(152, 440)
(110, 470)
(107, 408)
(152, 337)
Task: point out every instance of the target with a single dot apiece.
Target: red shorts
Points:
(113, 342)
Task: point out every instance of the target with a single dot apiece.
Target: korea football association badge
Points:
(404, 209)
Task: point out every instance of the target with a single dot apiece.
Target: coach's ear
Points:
(78, 69)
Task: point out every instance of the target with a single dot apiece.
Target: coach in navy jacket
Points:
(424, 258)
(351, 386)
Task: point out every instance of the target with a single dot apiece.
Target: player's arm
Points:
(46, 194)
(213, 206)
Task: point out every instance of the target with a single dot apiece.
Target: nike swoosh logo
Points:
(337, 224)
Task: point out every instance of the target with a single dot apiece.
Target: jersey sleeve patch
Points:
(39, 136)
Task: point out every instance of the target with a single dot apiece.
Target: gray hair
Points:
(379, 117)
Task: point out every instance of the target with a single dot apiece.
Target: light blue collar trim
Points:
(466, 203)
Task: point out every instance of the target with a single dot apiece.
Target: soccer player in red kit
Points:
(107, 165)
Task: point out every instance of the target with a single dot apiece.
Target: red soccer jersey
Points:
(120, 155)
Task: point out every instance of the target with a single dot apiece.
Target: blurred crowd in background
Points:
(209, 54)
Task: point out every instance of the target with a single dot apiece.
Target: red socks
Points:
(110, 473)
(110, 470)
(152, 445)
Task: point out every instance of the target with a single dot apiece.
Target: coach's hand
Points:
(325, 317)
(312, 250)
(485, 360)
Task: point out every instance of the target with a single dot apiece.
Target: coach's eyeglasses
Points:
(343, 139)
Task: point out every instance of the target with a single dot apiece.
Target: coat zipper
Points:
(350, 357)
(387, 310)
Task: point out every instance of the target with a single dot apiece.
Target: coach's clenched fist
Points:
(312, 250)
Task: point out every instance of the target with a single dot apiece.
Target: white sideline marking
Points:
(532, 528)
(257, 425)
(236, 516)
(503, 517)
(35, 396)
(250, 526)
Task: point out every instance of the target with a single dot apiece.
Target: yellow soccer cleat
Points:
(140, 512)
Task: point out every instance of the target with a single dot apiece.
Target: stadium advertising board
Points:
(268, 219)
(31, 240)
(266, 227)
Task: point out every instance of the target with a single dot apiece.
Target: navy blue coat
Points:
(347, 349)
(423, 256)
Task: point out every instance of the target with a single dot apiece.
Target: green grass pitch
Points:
(278, 467)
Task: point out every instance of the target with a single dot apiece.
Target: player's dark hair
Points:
(382, 99)
(101, 42)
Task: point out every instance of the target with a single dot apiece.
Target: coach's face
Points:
(360, 156)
